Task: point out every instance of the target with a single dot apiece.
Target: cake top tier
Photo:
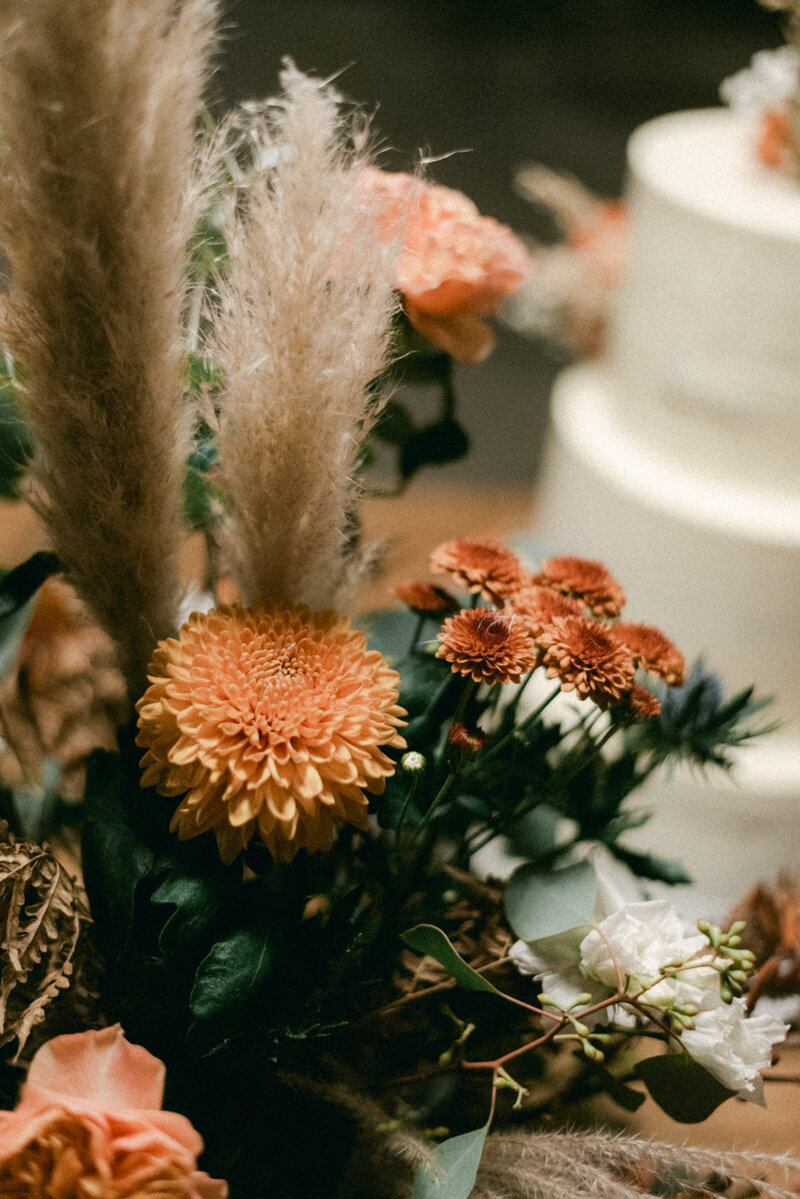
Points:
(705, 160)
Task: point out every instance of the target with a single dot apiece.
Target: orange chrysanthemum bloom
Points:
(491, 647)
(588, 658)
(271, 722)
(426, 599)
(539, 606)
(480, 566)
(653, 651)
(641, 704)
(587, 581)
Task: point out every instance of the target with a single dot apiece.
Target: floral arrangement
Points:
(280, 898)
(567, 295)
(768, 90)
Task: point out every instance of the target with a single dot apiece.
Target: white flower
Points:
(639, 940)
(769, 81)
(733, 1046)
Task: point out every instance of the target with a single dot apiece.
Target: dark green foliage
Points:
(683, 1088)
(697, 724)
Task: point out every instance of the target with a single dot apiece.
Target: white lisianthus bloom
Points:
(733, 1046)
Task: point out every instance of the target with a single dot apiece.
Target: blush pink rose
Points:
(455, 265)
(89, 1123)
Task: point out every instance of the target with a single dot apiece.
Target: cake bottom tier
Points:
(717, 567)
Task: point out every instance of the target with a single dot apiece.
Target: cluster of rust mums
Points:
(563, 618)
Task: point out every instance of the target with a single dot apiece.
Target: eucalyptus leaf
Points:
(427, 938)
(682, 1087)
(547, 903)
(458, 1159)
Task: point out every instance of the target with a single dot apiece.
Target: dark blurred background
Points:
(563, 82)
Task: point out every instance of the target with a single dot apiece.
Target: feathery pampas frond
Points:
(301, 328)
(571, 1165)
(98, 101)
(576, 1165)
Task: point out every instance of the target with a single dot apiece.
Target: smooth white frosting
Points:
(707, 322)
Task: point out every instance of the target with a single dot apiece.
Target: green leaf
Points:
(619, 1091)
(232, 973)
(458, 1159)
(443, 441)
(547, 903)
(198, 887)
(116, 857)
(389, 630)
(427, 938)
(648, 865)
(17, 592)
(682, 1087)
(536, 834)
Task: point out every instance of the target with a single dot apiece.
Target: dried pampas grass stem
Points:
(301, 329)
(98, 100)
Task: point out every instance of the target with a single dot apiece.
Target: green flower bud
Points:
(413, 762)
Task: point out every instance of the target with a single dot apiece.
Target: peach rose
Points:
(455, 266)
(89, 1124)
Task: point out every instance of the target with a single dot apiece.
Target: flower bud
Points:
(413, 762)
(467, 742)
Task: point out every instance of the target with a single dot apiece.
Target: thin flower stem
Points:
(529, 719)
(464, 699)
(440, 795)
(410, 795)
(418, 627)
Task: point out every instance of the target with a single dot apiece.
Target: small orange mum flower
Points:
(539, 606)
(480, 566)
(491, 647)
(653, 651)
(426, 599)
(588, 658)
(641, 704)
(271, 722)
(586, 581)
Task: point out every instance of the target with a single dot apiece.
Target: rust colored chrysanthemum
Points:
(271, 722)
(653, 651)
(589, 659)
(426, 599)
(640, 704)
(539, 606)
(480, 566)
(587, 581)
(467, 741)
(490, 647)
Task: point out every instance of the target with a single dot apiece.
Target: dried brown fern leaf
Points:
(43, 916)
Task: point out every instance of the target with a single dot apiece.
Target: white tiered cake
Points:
(677, 462)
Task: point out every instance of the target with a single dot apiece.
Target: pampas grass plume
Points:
(98, 100)
(300, 330)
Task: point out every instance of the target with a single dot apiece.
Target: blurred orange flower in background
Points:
(89, 1122)
(455, 266)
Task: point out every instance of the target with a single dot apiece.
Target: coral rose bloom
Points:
(89, 1125)
(455, 266)
(270, 721)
